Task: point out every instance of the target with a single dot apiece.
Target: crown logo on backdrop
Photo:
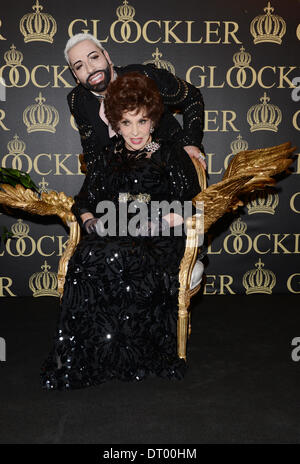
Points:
(259, 280)
(125, 12)
(19, 229)
(262, 202)
(13, 57)
(44, 283)
(238, 227)
(160, 64)
(264, 116)
(268, 27)
(241, 59)
(239, 144)
(43, 186)
(40, 117)
(38, 26)
(16, 146)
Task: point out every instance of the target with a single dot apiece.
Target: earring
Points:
(151, 130)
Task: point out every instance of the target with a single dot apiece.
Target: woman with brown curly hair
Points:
(119, 308)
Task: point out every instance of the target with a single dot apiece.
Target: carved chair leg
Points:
(182, 326)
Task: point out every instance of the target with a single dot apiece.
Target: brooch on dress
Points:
(152, 146)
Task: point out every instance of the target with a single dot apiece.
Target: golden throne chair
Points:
(248, 171)
(59, 204)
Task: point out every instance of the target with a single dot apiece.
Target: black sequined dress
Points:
(118, 316)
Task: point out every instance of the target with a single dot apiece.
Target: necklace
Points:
(100, 96)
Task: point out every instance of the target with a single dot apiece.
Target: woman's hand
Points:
(173, 219)
(90, 225)
(194, 152)
(155, 228)
(94, 225)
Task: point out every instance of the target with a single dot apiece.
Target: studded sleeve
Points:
(180, 95)
(85, 128)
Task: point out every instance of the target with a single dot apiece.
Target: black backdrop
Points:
(242, 55)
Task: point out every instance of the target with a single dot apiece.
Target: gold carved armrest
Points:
(48, 204)
(83, 167)
(194, 229)
(248, 171)
(201, 173)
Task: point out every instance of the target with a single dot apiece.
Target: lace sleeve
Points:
(179, 95)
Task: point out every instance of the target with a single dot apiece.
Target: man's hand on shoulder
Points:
(195, 152)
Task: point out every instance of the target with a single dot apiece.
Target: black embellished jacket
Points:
(177, 94)
(167, 176)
